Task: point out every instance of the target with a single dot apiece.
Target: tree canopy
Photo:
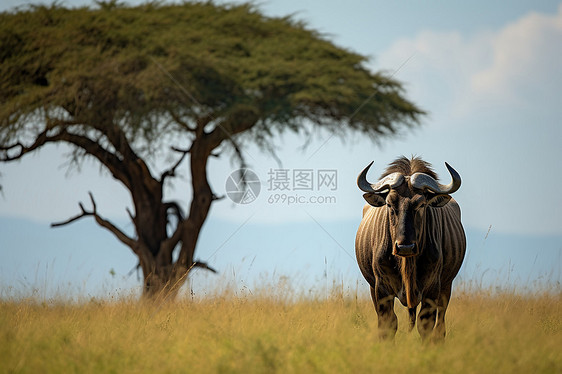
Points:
(113, 81)
(177, 65)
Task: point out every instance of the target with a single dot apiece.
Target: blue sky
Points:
(488, 74)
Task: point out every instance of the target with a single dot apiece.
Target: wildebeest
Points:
(410, 244)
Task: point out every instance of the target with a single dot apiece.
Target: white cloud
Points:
(527, 56)
(516, 65)
(437, 74)
(494, 99)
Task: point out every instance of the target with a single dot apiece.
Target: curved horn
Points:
(362, 180)
(390, 181)
(424, 181)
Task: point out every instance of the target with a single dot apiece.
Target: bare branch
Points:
(176, 149)
(131, 216)
(204, 265)
(70, 220)
(18, 150)
(135, 268)
(215, 197)
(171, 172)
(53, 132)
(93, 202)
(124, 238)
(110, 160)
(83, 214)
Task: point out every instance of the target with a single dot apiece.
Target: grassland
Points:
(266, 333)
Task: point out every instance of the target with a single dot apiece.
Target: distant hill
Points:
(312, 256)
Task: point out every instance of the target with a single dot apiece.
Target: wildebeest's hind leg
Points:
(384, 306)
(412, 315)
(442, 304)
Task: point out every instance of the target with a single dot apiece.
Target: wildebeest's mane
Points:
(411, 166)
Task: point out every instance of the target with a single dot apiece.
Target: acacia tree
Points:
(118, 82)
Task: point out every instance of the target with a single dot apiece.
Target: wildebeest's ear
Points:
(438, 201)
(374, 199)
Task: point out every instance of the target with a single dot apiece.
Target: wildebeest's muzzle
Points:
(405, 250)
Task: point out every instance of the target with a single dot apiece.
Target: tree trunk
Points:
(160, 282)
(152, 244)
(162, 277)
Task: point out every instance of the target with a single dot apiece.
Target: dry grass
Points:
(263, 333)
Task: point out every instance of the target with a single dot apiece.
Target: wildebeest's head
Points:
(407, 188)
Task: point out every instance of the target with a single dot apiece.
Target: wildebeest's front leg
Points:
(427, 316)
(384, 306)
(442, 304)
